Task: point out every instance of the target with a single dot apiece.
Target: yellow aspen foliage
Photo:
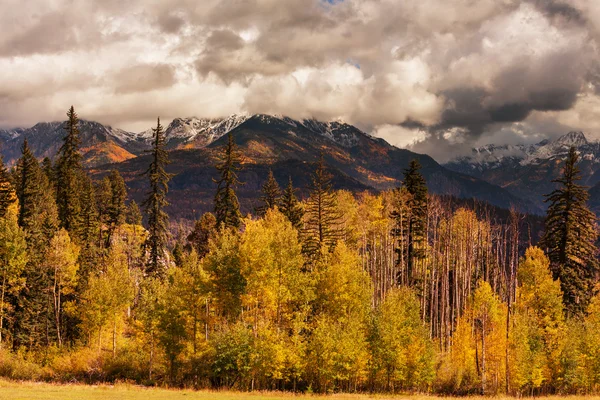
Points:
(403, 354)
(271, 265)
(476, 361)
(538, 330)
(13, 258)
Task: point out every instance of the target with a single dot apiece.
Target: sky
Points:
(434, 76)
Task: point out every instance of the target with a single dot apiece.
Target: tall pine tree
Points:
(290, 206)
(321, 228)
(158, 220)
(29, 186)
(7, 192)
(271, 195)
(415, 218)
(569, 237)
(69, 172)
(38, 217)
(227, 207)
(117, 209)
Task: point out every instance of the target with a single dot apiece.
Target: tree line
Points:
(389, 292)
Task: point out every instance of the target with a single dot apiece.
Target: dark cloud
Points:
(560, 9)
(170, 22)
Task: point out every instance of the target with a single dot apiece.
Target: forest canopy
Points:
(388, 292)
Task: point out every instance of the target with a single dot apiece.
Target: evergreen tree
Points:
(569, 238)
(321, 229)
(411, 224)
(116, 210)
(89, 231)
(48, 169)
(134, 215)
(29, 188)
(204, 230)
(227, 208)
(290, 206)
(271, 194)
(39, 219)
(7, 193)
(158, 220)
(68, 175)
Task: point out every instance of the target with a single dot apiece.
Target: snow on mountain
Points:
(340, 132)
(495, 156)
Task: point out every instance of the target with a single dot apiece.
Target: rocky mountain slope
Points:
(356, 160)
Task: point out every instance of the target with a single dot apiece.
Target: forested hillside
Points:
(321, 291)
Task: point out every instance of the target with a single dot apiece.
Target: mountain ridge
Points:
(527, 171)
(359, 161)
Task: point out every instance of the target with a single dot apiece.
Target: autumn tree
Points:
(569, 237)
(13, 259)
(403, 355)
(156, 201)
(227, 208)
(62, 270)
(107, 296)
(271, 264)
(338, 346)
(223, 266)
(537, 339)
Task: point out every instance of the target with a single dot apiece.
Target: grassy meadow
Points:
(10, 390)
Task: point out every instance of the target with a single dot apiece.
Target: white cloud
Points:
(460, 70)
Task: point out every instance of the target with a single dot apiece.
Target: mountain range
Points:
(527, 171)
(357, 160)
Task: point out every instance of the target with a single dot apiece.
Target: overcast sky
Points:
(437, 76)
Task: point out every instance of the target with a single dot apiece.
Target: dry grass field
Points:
(45, 391)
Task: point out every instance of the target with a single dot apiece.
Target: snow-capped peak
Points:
(572, 139)
(494, 156)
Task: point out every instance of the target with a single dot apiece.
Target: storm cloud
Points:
(437, 76)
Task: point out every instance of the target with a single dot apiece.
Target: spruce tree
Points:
(321, 229)
(7, 192)
(48, 169)
(290, 206)
(569, 238)
(134, 215)
(29, 187)
(416, 218)
(39, 219)
(155, 202)
(116, 209)
(68, 175)
(271, 195)
(89, 231)
(204, 230)
(227, 207)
